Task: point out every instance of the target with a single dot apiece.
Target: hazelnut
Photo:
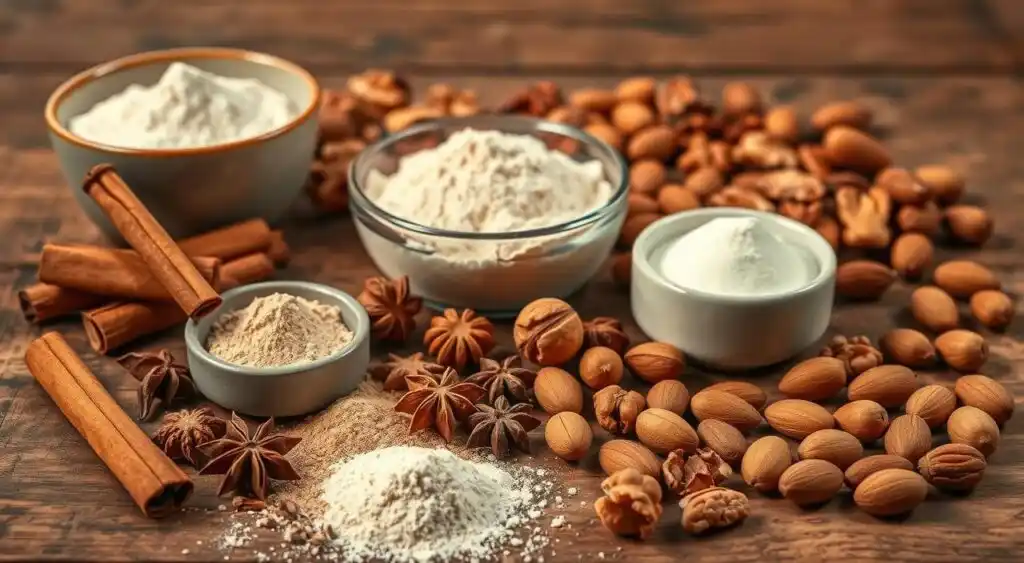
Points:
(670, 395)
(568, 435)
(600, 367)
(548, 332)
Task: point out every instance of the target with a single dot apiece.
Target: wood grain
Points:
(506, 36)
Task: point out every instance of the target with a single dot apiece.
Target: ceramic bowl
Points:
(562, 259)
(288, 390)
(732, 332)
(192, 190)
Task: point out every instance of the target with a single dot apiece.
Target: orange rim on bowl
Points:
(171, 55)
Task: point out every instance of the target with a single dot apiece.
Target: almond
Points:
(616, 455)
(992, 308)
(856, 473)
(640, 203)
(912, 254)
(849, 113)
(902, 186)
(670, 395)
(907, 347)
(834, 446)
(781, 124)
(908, 437)
(946, 184)
(969, 223)
(888, 385)
(593, 99)
(811, 482)
(797, 418)
(962, 350)
(557, 391)
(863, 279)
(664, 431)
(568, 435)
(743, 389)
(953, 467)
(622, 268)
(865, 420)
(890, 492)
(630, 117)
(719, 405)
(987, 394)
(646, 176)
(723, 439)
(655, 361)
(964, 278)
(925, 219)
(974, 427)
(704, 181)
(637, 89)
(933, 403)
(764, 463)
(814, 379)
(846, 147)
(606, 133)
(674, 198)
(635, 225)
(657, 142)
(934, 308)
(601, 367)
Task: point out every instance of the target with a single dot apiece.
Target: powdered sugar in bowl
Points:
(489, 212)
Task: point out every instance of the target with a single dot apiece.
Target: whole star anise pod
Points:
(249, 461)
(856, 352)
(391, 308)
(394, 371)
(161, 380)
(685, 474)
(456, 339)
(440, 404)
(182, 432)
(504, 379)
(607, 332)
(502, 427)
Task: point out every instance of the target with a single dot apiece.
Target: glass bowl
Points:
(519, 266)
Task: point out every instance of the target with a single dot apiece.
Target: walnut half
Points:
(631, 505)
(865, 216)
(616, 409)
(856, 352)
(713, 508)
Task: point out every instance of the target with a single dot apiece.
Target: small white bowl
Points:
(725, 331)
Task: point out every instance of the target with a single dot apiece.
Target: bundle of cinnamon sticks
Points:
(126, 294)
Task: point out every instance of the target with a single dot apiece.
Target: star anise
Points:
(161, 380)
(459, 338)
(182, 432)
(438, 403)
(394, 371)
(391, 308)
(249, 461)
(502, 426)
(504, 379)
(856, 352)
(607, 332)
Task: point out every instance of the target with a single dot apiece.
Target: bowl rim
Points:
(360, 332)
(816, 245)
(182, 54)
(362, 202)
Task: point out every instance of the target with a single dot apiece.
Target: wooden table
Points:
(943, 75)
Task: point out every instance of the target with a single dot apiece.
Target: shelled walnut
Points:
(631, 505)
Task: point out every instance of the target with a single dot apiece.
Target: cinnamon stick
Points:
(42, 302)
(154, 482)
(230, 242)
(278, 249)
(111, 326)
(138, 226)
(111, 271)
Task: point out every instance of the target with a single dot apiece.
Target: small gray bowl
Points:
(732, 332)
(192, 190)
(288, 390)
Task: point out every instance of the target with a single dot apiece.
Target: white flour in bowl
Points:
(492, 182)
(187, 108)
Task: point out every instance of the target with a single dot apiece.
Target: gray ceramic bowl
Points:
(730, 332)
(281, 391)
(196, 189)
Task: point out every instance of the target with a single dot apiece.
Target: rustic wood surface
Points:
(943, 77)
